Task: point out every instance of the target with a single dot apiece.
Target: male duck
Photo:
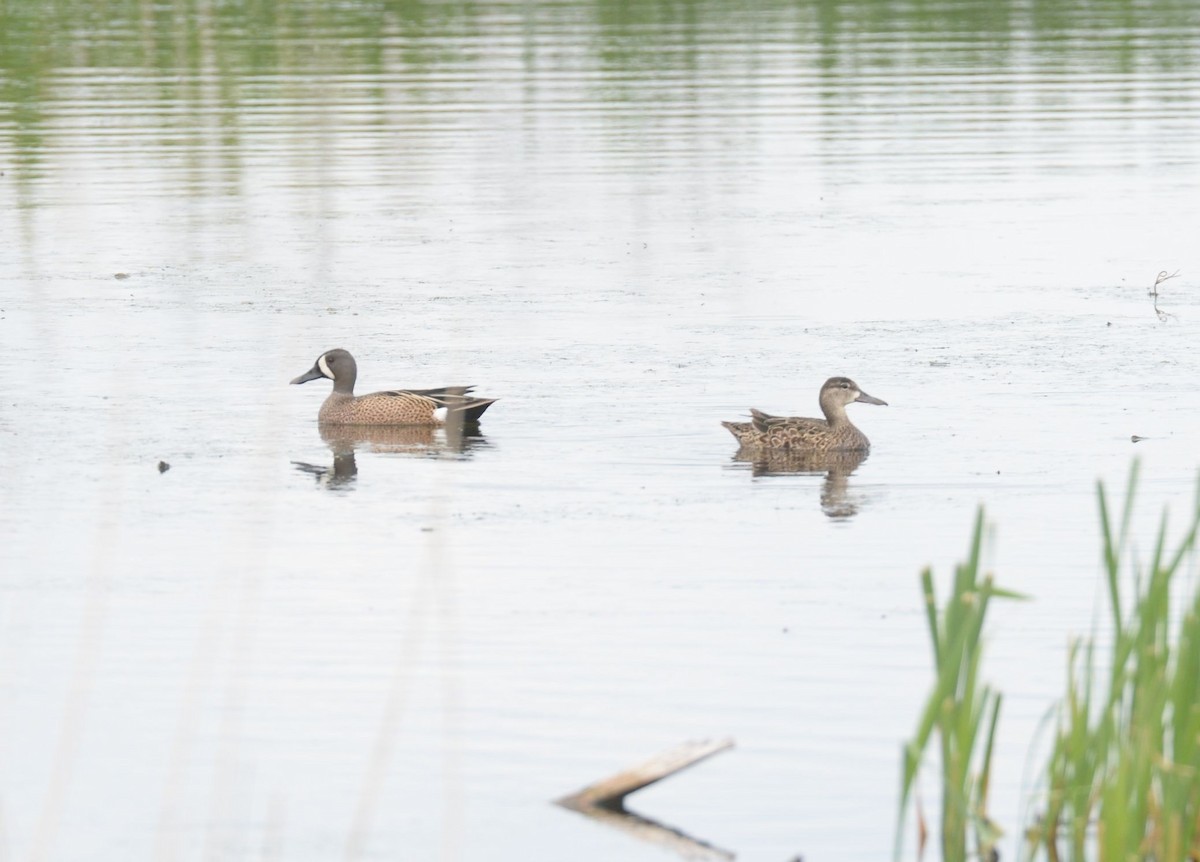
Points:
(393, 407)
(834, 433)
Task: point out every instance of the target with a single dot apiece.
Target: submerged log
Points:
(610, 792)
(604, 801)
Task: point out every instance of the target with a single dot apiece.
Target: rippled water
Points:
(627, 222)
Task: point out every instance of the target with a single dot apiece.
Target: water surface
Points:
(628, 222)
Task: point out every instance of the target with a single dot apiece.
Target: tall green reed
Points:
(961, 710)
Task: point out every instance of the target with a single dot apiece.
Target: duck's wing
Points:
(761, 421)
(789, 431)
(457, 400)
(765, 422)
(444, 391)
(415, 397)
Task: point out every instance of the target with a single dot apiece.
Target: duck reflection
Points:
(836, 499)
(454, 441)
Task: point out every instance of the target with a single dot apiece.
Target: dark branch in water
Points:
(1162, 276)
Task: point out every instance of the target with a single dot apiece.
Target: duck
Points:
(430, 407)
(834, 433)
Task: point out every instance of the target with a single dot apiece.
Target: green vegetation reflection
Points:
(41, 38)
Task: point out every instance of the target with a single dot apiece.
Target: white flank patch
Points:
(440, 414)
(324, 366)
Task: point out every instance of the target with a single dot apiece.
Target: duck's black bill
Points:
(862, 396)
(313, 373)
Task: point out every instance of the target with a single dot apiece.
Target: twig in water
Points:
(1162, 276)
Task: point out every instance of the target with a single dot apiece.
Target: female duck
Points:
(834, 433)
(393, 407)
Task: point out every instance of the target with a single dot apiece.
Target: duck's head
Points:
(336, 365)
(841, 391)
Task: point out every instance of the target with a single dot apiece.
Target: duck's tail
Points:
(740, 430)
(469, 410)
(460, 406)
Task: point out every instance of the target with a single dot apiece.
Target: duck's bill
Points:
(862, 396)
(313, 373)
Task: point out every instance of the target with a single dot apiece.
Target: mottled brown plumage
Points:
(391, 407)
(834, 433)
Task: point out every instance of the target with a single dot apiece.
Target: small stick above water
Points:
(1162, 276)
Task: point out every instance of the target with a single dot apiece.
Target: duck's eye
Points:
(845, 385)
